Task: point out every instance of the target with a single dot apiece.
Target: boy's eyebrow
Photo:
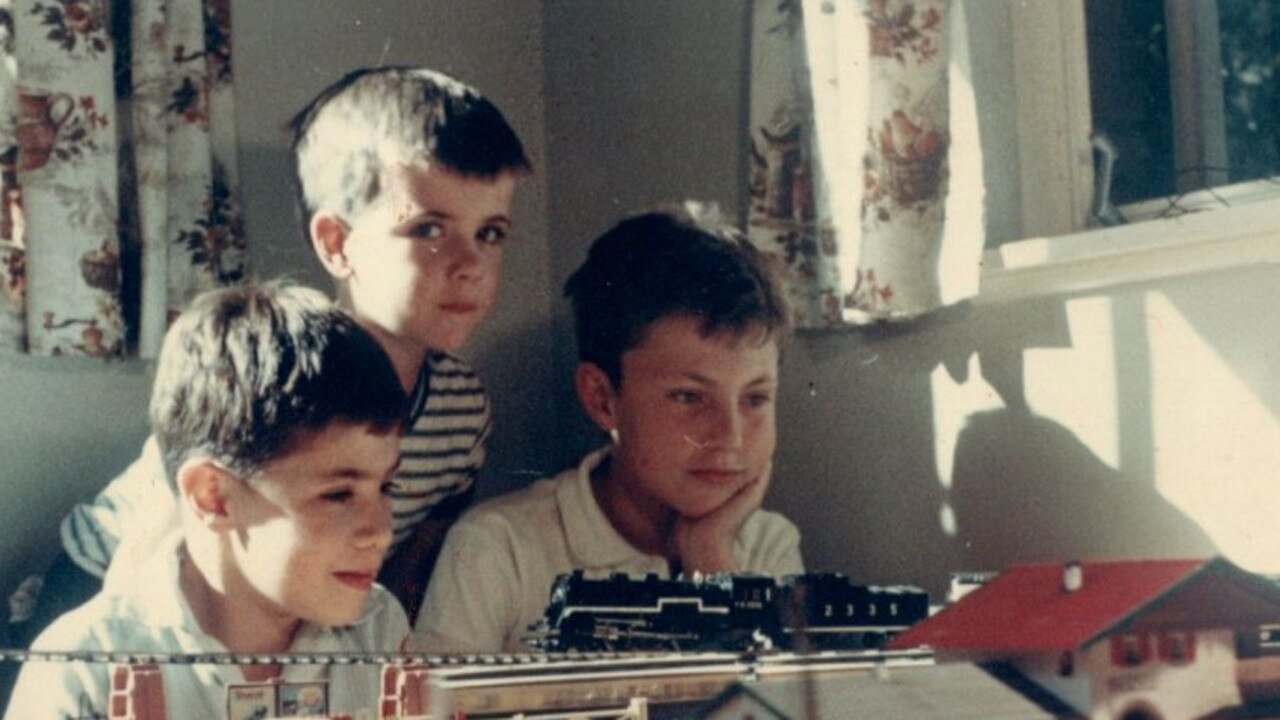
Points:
(441, 215)
(356, 472)
(763, 379)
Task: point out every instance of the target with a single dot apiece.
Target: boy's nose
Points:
(463, 256)
(727, 428)
(375, 530)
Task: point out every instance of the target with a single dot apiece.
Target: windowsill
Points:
(1092, 260)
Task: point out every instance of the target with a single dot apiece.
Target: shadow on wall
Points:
(972, 478)
(1026, 489)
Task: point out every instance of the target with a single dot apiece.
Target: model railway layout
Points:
(603, 644)
(621, 686)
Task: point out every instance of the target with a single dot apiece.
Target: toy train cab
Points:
(723, 611)
(622, 612)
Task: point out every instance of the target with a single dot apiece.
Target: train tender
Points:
(723, 611)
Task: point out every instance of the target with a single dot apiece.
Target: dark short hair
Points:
(244, 369)
(373, 118)
(671, 261)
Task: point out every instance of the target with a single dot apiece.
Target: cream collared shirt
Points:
(499, 561)
(142, 609)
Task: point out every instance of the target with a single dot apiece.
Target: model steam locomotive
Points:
(723, 611)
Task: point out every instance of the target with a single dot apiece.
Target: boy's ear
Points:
(597, 395)
(202, 489)
(329, 240)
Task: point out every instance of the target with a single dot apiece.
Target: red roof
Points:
(1026, 608)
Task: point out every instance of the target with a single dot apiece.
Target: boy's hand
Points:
(705, 544)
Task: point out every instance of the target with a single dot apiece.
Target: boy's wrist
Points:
(710, 557)
(707, 564)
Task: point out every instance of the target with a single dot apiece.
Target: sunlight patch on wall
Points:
(953, 403)
(1076, 386)
(1217, 446)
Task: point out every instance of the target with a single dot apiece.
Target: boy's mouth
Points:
(358, 580)
(717, 476)
(460, 308)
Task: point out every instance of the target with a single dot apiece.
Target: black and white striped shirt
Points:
(443, 448)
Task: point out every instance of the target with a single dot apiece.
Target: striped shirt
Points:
(443, 448)
(440, 455)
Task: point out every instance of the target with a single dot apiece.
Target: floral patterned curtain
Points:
(117, 170)
(866, 172)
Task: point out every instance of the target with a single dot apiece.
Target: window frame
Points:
(1060, 253)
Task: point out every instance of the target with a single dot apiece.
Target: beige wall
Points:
(645, 104)
(66, 425)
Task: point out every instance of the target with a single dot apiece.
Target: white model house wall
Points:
(1102, 690)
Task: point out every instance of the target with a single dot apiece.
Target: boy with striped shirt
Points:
(405, 180)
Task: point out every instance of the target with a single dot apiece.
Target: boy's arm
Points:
(705, 544)
(407, 571)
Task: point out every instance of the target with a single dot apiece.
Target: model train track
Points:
(523, 660)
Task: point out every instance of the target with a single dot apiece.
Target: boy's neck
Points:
(647, 529)
(407, 357)
(227, 611)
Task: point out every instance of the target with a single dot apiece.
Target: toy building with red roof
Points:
(1151, 639)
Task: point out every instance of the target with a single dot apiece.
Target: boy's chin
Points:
(336, 617)
(700, 509)
(448, 343)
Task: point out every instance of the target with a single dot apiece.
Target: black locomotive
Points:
(724, 612)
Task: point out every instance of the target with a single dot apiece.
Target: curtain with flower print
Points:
(865, 166)
(117, 170)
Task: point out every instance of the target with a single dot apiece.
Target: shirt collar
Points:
(593, 541)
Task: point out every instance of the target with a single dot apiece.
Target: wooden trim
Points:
(1152, 250)
(1051, 82)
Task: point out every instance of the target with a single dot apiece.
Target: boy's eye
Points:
(756, 400)
(337, 496)
(389, 487)
(492, 235)
(685, 397)
(426, 230)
